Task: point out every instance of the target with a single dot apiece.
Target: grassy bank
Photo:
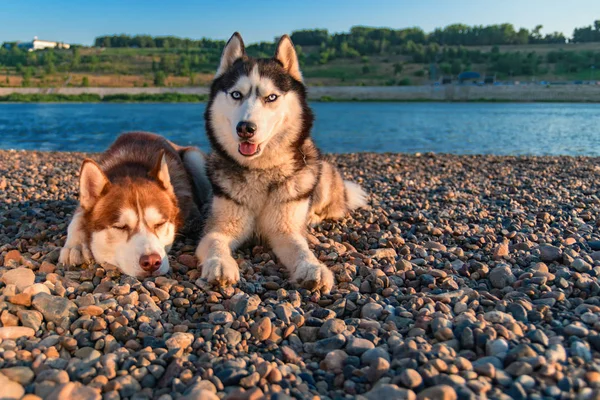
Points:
(316, 95)
(95, 98)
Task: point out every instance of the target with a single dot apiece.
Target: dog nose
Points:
(245, 129)
(150, 262)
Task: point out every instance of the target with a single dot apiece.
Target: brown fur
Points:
(130, 165)
(134, 194)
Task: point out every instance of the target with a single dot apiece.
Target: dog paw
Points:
(75, 255)
(314, 219)
(221, 270)
(313, 276)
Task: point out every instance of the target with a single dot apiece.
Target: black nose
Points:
(245, 129)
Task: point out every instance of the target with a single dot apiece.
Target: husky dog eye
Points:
(236, 95)
(121, 227)
(271, 98)
(159, 225)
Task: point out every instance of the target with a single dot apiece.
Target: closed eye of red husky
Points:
(133, 202)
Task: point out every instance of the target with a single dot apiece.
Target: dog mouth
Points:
(249, 149)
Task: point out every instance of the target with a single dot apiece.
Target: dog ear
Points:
(160, 172)
(92, 181)
(234, 50)
(286, 55)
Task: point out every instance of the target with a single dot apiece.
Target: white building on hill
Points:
(37, 44)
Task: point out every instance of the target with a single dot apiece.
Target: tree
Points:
(49, 61)
(365, 69)
(76, 58)
(159, 78)
(27, 74)
(456, 67)
(94, 62)
(446, 68)
(398, 67)
(85, 82)
(314, 37)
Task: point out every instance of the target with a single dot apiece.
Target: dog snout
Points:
(150, 262)
(246, 129)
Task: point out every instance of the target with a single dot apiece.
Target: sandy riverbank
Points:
(467, 275)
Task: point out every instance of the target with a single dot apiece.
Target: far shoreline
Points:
(400, 94)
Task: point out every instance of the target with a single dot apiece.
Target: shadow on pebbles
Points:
(467, 277)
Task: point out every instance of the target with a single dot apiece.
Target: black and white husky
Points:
(267, 176)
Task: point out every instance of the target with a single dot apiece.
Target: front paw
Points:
(313, 276)
(75, 255)
(221, 270)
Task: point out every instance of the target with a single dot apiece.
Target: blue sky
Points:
(82, 20)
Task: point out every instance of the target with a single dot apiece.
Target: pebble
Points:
(550, 253)
(54, 308)
(460, 280)
(35, 289)
(580, 265)
(261, 330)
(20, 277)
(73, 391)
(387, 391)
(439, 392)
(410, 378)
(335, 360)
(357, 346)
(15, 332)
(371, 310)
(11, 390)
(501, 276)
(21, 375)
(220, 317)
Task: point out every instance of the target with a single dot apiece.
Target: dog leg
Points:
(228, 226)
(285, 229)
(75, 251)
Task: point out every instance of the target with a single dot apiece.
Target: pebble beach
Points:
(467, 277)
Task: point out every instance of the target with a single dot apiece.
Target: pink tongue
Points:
(247, 148)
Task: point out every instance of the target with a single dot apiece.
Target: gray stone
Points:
(386, 391)
(550, 253)
(357, 346)
(580, 265)
(371, 310)
(332, 327)
(220, 317)
(501, 276)
(54, 308)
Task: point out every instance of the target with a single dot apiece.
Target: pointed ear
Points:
(161, 172)
(92, 182)
(286, 55)
(234, 50)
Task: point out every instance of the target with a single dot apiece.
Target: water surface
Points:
(460, 128)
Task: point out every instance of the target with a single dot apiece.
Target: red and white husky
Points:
(133, 201)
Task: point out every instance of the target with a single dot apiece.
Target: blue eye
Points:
(271, 98)
(236, 95)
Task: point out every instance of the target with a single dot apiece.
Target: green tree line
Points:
(369, 40)
(449, 49)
